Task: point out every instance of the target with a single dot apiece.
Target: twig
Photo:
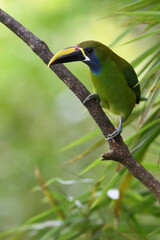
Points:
(118, 150)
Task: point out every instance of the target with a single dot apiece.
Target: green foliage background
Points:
(40, 117)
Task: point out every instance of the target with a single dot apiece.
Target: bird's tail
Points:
(142, 98)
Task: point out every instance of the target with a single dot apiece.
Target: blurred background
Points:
(38, 114)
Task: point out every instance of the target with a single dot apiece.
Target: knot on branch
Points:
(112, 155)
(117, 154)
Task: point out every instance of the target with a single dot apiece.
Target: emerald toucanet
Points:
(114, 79)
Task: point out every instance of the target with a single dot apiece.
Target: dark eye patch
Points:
(89, 50)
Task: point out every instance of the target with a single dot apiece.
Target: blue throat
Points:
(94, 64)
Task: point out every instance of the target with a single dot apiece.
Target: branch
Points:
(118, 150)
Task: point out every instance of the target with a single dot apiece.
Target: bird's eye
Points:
(89, 50)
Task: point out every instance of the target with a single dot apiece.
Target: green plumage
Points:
(116, 82)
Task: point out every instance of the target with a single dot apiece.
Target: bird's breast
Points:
(114, 93)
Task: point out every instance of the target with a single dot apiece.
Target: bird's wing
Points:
(132, 81)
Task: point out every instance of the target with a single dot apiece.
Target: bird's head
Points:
(89, 52)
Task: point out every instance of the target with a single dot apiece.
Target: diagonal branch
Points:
(118, 150)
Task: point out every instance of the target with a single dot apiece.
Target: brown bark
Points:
(118, 150)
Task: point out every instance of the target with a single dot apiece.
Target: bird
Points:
(115, 82)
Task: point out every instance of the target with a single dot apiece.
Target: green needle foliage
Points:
(93, 215)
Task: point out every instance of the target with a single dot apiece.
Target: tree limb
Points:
(118, 150)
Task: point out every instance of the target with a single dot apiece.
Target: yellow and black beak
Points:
(70, 54)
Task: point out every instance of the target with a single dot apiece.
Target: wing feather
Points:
(132, 81)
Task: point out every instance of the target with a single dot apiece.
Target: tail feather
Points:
(142, 98)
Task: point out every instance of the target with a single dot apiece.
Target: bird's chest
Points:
(114, 93)
(109, 88)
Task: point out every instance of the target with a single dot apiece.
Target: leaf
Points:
(95, 163)
(143, 129)
(115, 178)
(122, 35)
(146, 54)
(142, 36)
(68, 182)
(81, 140)
(89, 150)
(142, 13)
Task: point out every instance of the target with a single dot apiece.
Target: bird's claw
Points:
(114, 134)
(92, 96)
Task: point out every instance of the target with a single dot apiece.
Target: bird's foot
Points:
(114, 134)
(92, 96)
